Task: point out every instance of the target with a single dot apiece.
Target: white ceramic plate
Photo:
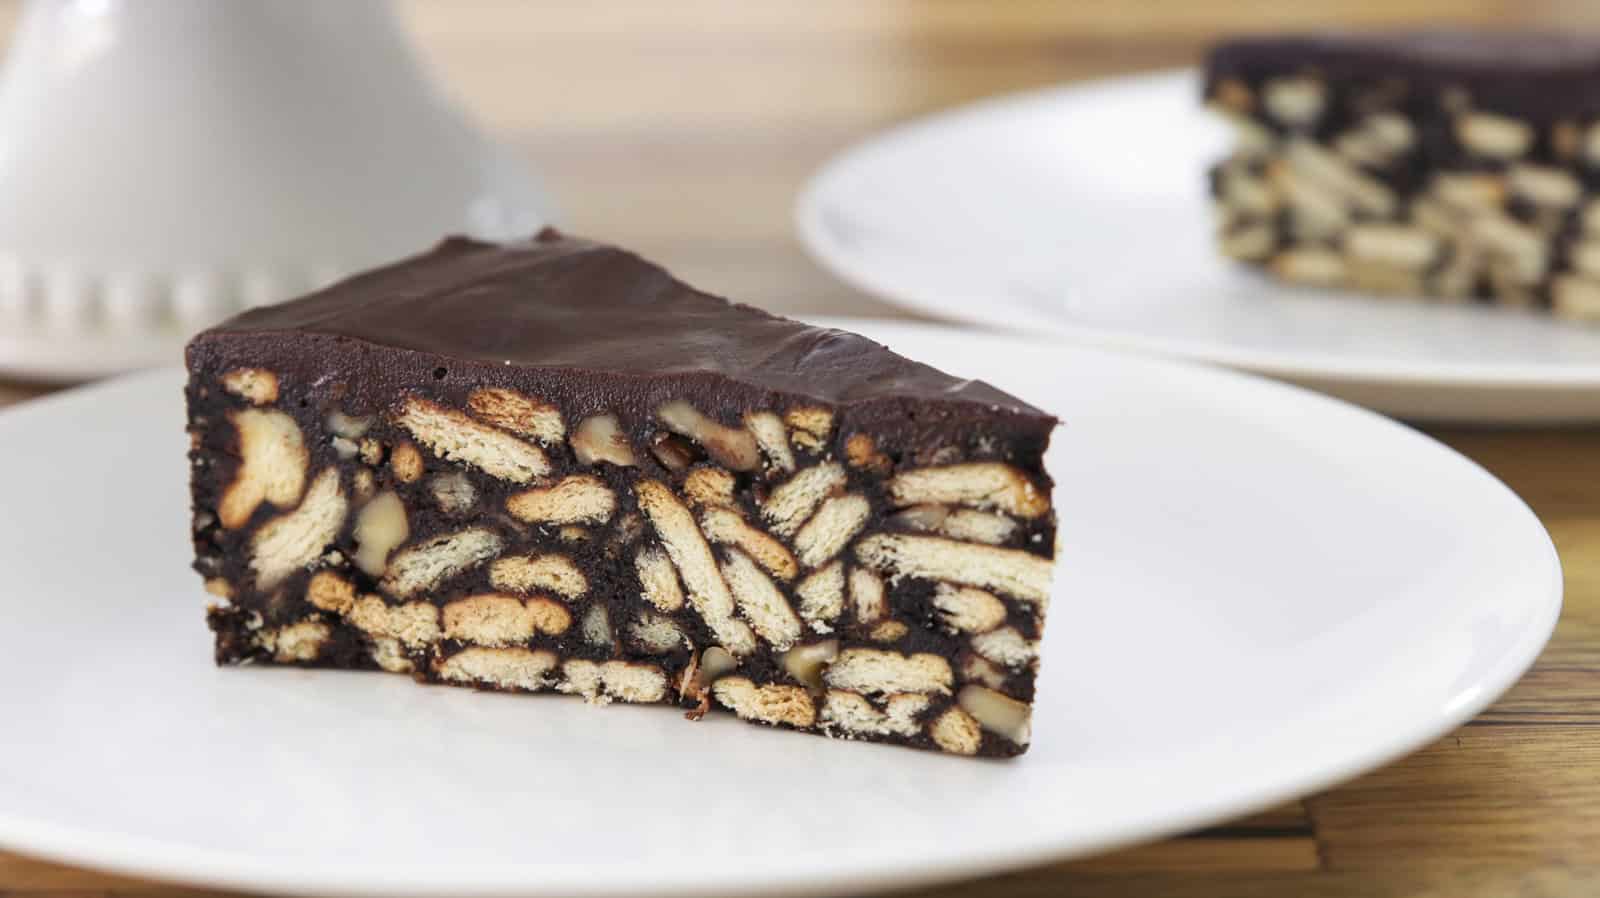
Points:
(1262, 592)
(1082, 211)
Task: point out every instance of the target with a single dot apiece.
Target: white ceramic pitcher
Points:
(164, 163)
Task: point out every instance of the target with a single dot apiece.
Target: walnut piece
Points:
(675, 453)
(706, 668)
(997, 713)
(600, 439)
(805, 662)
(380, 528)
(732, 447)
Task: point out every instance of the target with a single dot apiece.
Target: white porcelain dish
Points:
(166, 164)
(1262, 592)
(1082, 212)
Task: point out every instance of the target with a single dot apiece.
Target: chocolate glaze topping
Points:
(1542, 76)
(560, 303)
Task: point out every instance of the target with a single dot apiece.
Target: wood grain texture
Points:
(684, 129)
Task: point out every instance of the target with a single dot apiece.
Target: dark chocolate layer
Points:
(1539, 76)
(574, 309)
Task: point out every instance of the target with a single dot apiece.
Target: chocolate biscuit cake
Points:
(1458, 165)
(549, 465)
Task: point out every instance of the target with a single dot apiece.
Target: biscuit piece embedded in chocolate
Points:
(550, 466)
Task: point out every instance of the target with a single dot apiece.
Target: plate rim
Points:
(169, 862)
(42, 357)
(815, 195)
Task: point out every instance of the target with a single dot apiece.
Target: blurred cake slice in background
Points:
(1458, 165)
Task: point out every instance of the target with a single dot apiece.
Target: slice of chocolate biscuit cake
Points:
(1460, 165)
(549, 465)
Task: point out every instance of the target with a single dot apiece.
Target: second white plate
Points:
(1082, 211)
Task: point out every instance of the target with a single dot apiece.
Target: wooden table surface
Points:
(684, 129)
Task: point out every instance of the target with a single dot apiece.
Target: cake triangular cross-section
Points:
(549, 465)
